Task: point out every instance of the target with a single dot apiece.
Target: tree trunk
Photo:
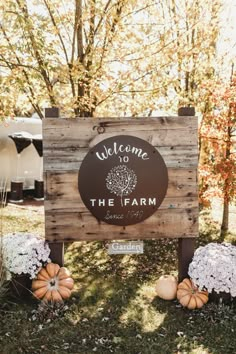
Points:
(225, 218)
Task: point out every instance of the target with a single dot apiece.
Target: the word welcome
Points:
(117, 149)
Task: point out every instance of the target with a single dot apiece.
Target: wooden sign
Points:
(69, 145)
(123, 180)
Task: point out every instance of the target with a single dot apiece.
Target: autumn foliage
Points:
(105, 57)
(217, 169)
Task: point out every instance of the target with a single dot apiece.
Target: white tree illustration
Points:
(121, 181)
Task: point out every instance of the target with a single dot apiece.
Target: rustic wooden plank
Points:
(83, 226)
(62, 186)
(115, 124)
(67, 141)
(76, 133)
(63, 159)
(154, 137)
(78, 153)
(76, 205)
(173, 137)
(57, 249)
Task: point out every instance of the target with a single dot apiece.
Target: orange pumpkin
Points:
(190, 296)
(53, 283)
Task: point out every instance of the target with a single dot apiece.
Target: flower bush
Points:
(24, 253)
(214, 268)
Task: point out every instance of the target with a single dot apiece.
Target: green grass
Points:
(114, 308)
(17, 218)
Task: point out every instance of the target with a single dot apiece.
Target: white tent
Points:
(29, 162)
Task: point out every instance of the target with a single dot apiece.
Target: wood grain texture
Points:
(67, 141)
(73, 226)
(74, 133)
(63, 187)
(70, 158)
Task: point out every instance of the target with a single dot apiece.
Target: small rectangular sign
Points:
(131, 247)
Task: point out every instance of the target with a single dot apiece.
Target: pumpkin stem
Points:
(52, 282)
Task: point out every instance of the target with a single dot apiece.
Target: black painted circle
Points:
(123, 180)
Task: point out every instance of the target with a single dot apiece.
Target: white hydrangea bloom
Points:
(24, 253)
(214, 268)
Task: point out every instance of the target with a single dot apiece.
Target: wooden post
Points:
(185, 254)
(52, 112)
(186, 246)
(57, 249)
(186, 111)
(57, 252)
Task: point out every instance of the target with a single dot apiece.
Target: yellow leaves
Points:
(132, 53)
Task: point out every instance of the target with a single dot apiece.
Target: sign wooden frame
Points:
(67, 141)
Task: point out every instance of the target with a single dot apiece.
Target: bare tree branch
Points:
(69, 65)
(23, 7)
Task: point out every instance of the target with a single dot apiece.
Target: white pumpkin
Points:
(166, 287)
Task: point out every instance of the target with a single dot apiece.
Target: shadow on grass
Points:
(114, 309)
(117, 311)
